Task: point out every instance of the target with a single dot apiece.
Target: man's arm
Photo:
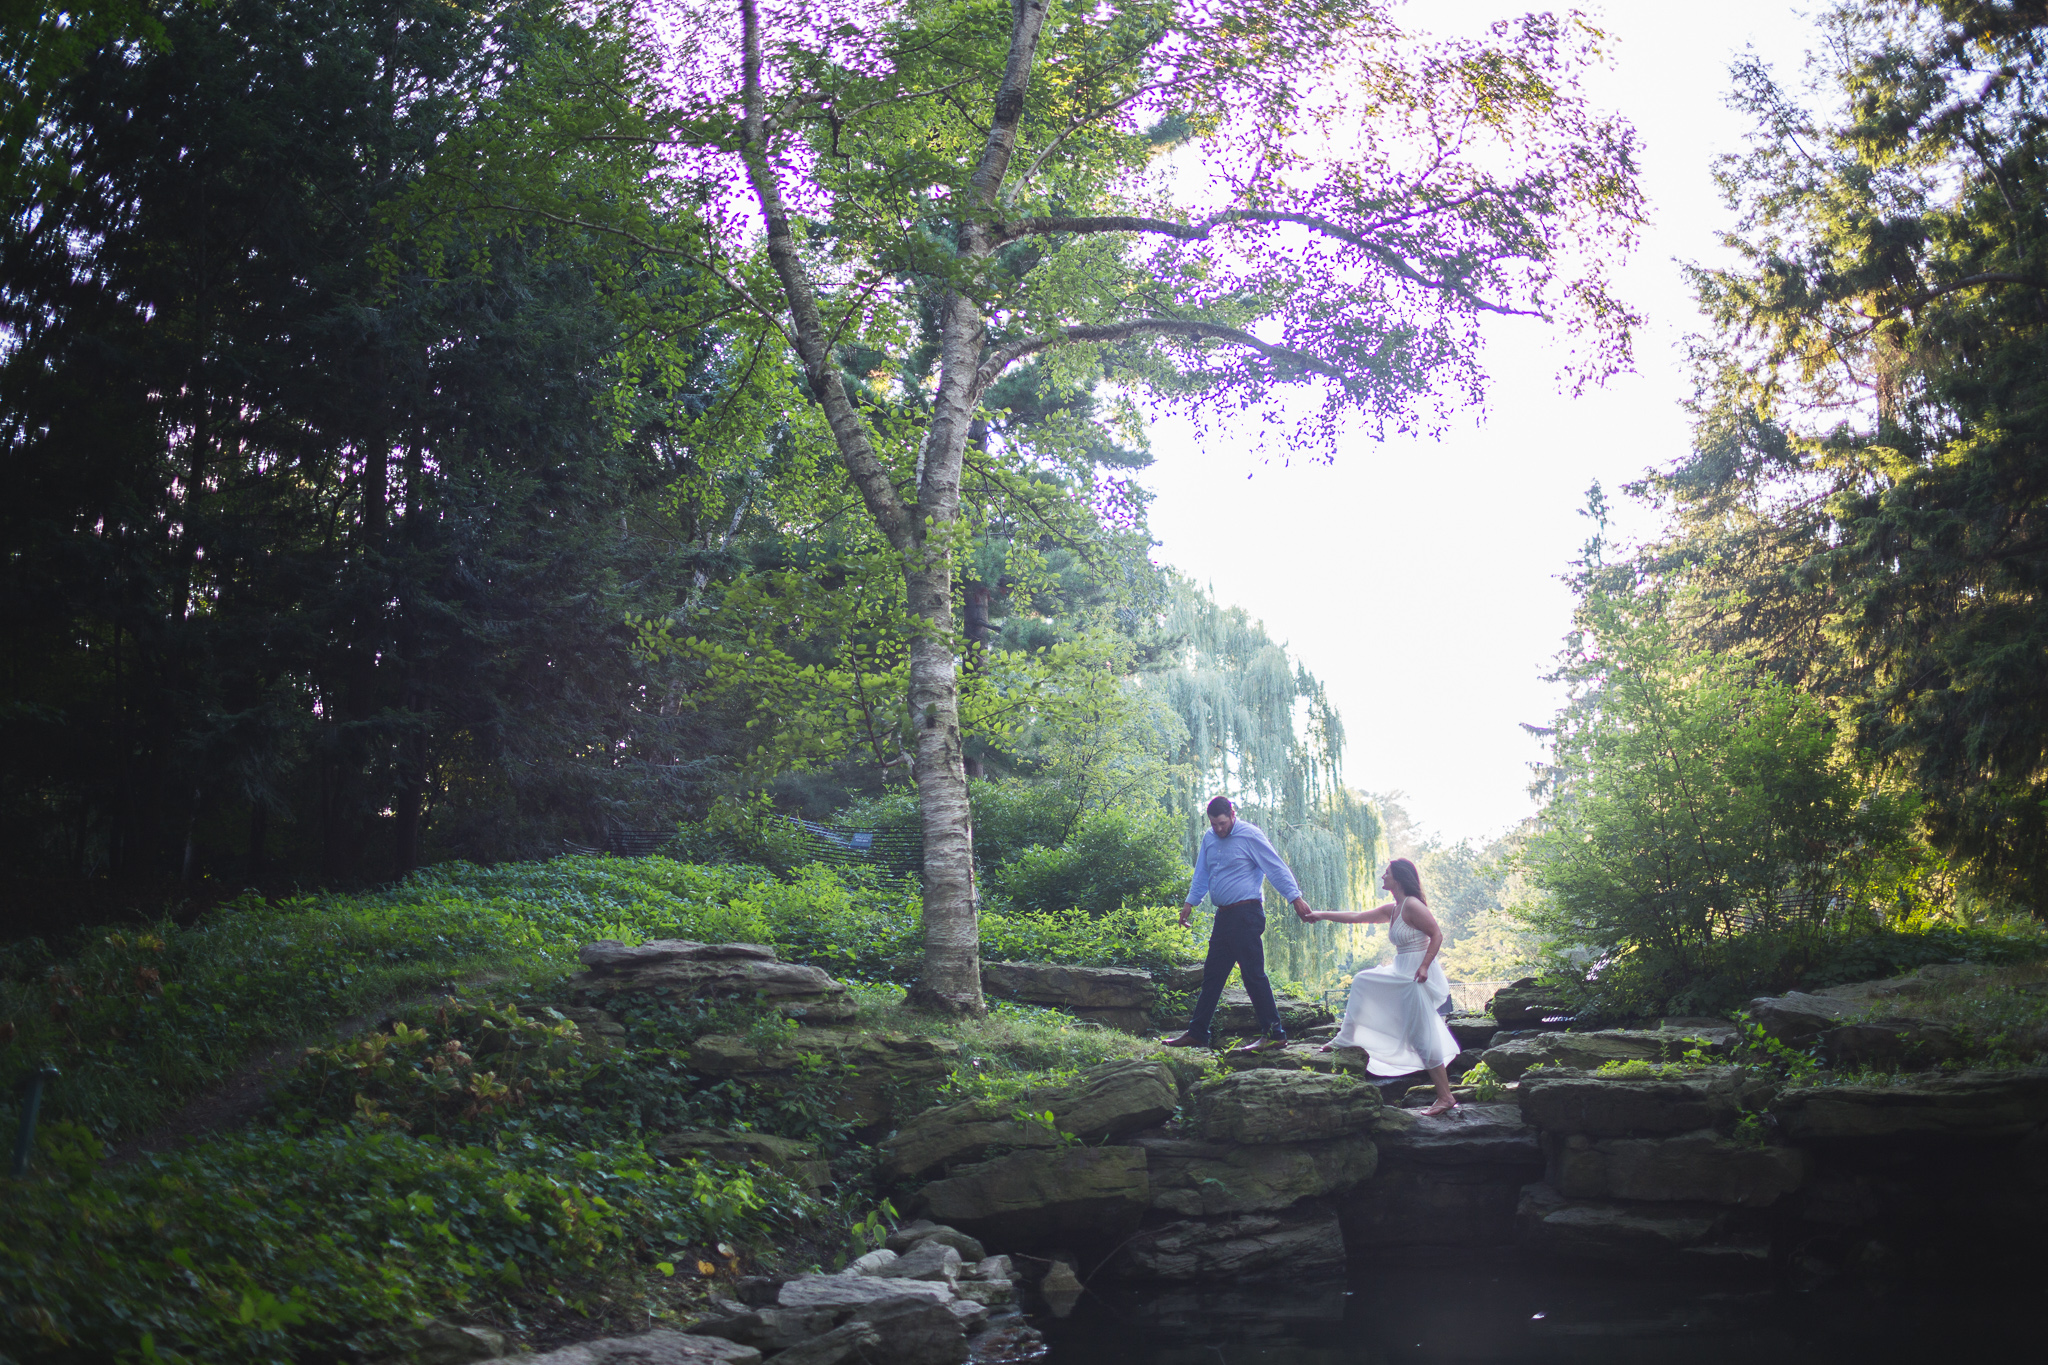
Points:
(1200, 886)
(1268, 859)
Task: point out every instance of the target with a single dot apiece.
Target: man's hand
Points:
(1187, 915)
(1301, 909)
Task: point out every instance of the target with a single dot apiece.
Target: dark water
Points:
(1525, 1316)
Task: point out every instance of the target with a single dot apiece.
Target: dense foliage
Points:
(138, 1020)
(1805, 738)
(476, 1153)
(1863, 508)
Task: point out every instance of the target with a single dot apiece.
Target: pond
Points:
(1378, 1318)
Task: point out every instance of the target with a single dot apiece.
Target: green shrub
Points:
(1643, 980)
(1147, 937)
(266, 1247)
(1112, 860)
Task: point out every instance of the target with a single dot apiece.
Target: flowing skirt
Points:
(1394, 1017)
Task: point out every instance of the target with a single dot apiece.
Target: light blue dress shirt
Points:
(1231, 869)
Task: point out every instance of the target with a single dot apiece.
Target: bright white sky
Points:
(1418, 579)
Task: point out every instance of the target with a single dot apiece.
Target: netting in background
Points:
(896, 852)
(624, 843)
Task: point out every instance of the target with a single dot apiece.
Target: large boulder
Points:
(1284, 1106)
(1525, 1005)
(1623, 1106)
(649, 1348)
(1585, 1051)
(913, 1332)
(1247, 1246)
(1798, 1019)
(1701, 1168)
(1027, 1198)
(1635, 1236)
(685, 970)
(870, 1073)
(1889, 1044)
(1235, 1015)
(1473, 1030)
(845, 1293)
(1969, 1104)
(1107, 1102)
(798, 1160)
(1471, 1135)
(1190, 1177)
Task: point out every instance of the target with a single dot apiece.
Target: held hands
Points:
(1301, 910)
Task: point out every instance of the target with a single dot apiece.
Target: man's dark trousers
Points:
(1236, 940)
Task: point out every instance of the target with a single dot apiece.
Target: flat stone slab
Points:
(1190, 1177)
(833, 1292)
(1304, 1056)
(1969, 1104)
(1235, 1016)
(1470, 1135)
(1618, 1106)
(1106, 1102)
(871, 1071)
(1067, 987)
(690, 970)
(1284, 1106)
(1027, 1198)
(649, 1348)
(1584, 1051)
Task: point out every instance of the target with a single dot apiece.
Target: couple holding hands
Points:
(1393, 1013)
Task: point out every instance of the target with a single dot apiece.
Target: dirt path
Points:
(239, 1098)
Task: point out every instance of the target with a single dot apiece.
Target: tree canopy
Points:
(1201, 204)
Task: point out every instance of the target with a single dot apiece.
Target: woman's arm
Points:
(1379, 914)
(1417, 914)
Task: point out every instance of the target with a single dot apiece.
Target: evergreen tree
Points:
(1865, 507)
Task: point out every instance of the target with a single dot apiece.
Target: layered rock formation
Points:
(683, 970)
(874, 1074)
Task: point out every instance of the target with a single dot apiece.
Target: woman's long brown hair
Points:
(1409, 879)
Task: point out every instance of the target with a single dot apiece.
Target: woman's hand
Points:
(1311, 916)
(1422, 972)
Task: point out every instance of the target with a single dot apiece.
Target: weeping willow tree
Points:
(1261, 729)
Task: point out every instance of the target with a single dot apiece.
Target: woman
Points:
(1393, 1010)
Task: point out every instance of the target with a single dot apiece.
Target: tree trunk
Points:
(921, 532)
(951, 977)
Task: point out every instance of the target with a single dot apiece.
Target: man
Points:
(1235, 861)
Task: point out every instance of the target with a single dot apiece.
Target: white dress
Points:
(1393, 1016)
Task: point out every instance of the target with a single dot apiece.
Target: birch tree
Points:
(1202, 204)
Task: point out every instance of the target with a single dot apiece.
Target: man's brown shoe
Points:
(1186, 1040)
(1269, 1043)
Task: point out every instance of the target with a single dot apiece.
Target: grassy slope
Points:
(397, 1177)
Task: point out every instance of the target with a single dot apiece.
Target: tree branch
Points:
(811, 336)
(1188, 329)
(1203, 230)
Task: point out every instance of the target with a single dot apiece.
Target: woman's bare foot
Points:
(1327, 1047)
(1443, 1106)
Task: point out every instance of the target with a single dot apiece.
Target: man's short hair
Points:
(1220, 805)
